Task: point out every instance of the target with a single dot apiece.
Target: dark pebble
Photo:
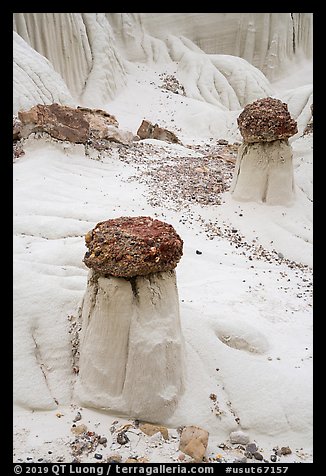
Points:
(122, 438)
(102, 440)
(199, 252)
(50, 452)
(40, 459)
(273, 458)
(29, 458)
(77, 417)
(251, 448)
(285, 450)
(98, 456)
(257, 455)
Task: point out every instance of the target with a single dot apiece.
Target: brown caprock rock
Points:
(264, 167)
(266, 120)
(149, 131)
(132, 246)
(60, 122)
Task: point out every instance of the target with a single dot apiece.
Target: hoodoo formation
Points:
(131, 350)
(264, 169)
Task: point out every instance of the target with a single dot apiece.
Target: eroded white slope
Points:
(34, 79)
(216, 79)
(266, 40)
(80, 47)
(89, 50)
(62, 39)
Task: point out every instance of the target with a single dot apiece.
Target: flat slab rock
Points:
(61, 122)
(78, 125)
(132, 246)
(266, 120)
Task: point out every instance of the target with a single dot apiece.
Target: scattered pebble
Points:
(122, 438)
(114, 459)
(251, 448)
(77, 417)
(98, 456)
(79, 429)
(258, 455)
(285, 450)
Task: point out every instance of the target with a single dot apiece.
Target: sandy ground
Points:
(244, 283)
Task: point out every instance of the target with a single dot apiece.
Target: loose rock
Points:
(251, 448)
(193, 442)
(149, 131)
(151, 430)
(239, 437)
(79, 429)
(114, 459)
(77, 417)
(285, 450)
(258, 455)
(61, 122)
(122, 438)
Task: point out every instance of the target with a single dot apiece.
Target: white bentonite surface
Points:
(246, 322)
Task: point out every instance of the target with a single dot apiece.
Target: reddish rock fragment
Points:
(132, 246)
(149, 131)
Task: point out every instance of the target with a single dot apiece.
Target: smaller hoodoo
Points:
(264, 169)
